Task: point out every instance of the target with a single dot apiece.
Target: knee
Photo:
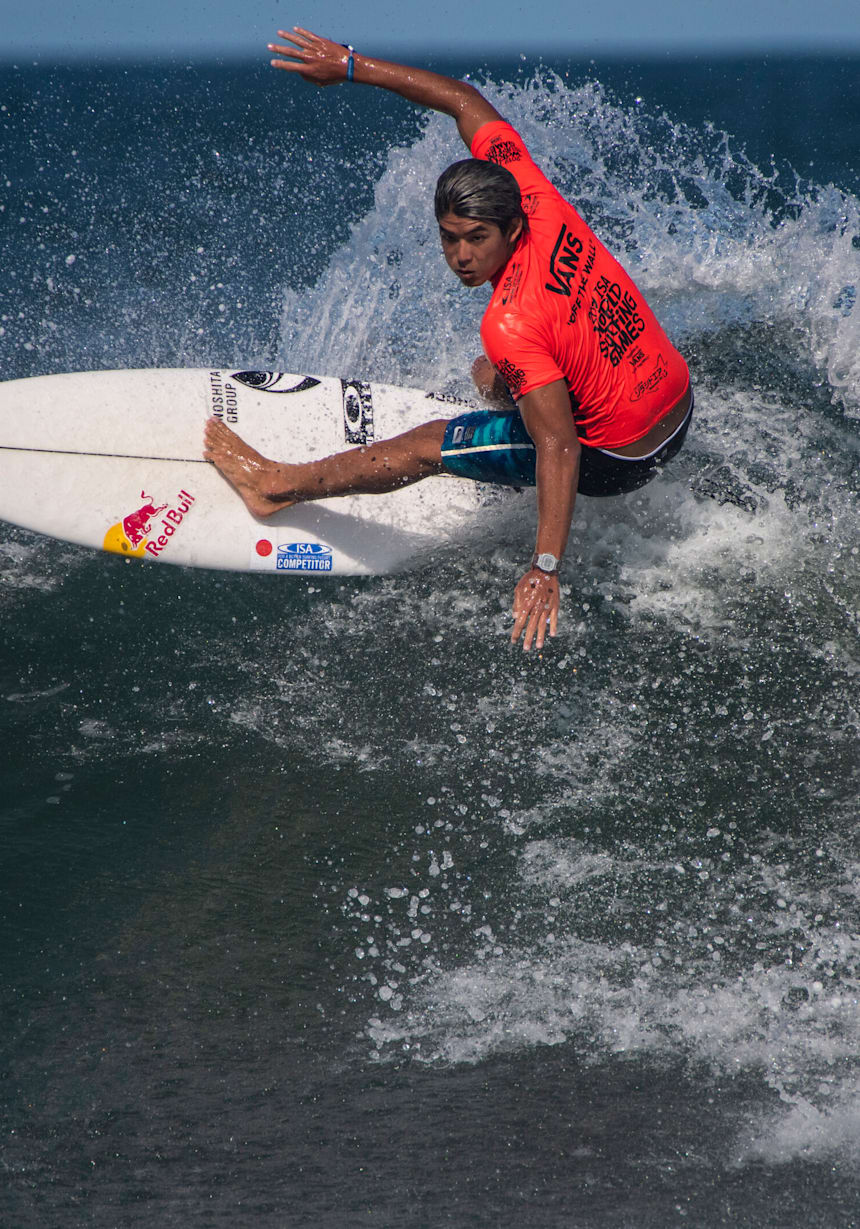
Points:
(433, 432)
(432, 436)
(483, 374)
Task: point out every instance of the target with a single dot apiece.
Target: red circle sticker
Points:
(264, 547)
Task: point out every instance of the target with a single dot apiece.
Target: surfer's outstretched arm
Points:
(327, 63)
(546, 414)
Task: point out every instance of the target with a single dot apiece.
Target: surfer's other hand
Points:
(315, 58)
(536, 603)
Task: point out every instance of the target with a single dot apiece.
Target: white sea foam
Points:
(22, 566)
(795, 1023)
(30, 697)
(387, 304)
(640, 844)
(671, 943)
(513, 921)
(687, 940)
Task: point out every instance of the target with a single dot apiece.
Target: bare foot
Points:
(260, 482)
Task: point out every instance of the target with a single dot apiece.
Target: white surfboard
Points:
(112, 459)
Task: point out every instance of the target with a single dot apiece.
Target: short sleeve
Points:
(520, 352)
(498, 142)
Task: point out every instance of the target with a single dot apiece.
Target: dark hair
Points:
(477, 189)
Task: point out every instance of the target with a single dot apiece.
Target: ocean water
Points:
(319, 905)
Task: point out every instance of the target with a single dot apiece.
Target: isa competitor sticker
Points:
(304, 557)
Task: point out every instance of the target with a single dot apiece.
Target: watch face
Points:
(546, 563)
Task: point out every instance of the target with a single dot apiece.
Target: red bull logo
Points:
(137, 525)
(134, 535)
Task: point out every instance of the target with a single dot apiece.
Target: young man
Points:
(602, 396)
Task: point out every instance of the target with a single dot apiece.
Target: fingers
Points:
(536, 627)
(300, 52)
(316, 59)
(301, 38)
(296, 64)
(534, 622)
(536, 604)
(519, 624)
(298, 43)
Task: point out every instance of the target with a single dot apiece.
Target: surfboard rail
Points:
(113, 460)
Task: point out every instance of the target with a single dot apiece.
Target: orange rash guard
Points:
(564, 309)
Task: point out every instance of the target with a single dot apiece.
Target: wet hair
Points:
(477, 189)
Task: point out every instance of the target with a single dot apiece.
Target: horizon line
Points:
(60, 57)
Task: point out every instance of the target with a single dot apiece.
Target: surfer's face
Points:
(476, 250)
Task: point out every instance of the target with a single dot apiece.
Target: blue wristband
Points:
(350, 64)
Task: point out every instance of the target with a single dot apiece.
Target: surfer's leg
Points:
(266, 486)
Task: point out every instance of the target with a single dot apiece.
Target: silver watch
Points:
(545, 562)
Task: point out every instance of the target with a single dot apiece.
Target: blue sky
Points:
(91, 29)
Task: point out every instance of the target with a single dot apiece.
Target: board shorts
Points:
(494, 446)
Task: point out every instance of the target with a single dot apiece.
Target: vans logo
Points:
(564, 261)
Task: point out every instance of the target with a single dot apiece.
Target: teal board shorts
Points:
(494, 446)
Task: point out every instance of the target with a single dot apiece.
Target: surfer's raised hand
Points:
(536, 603)
(324, 62)
(315, 58)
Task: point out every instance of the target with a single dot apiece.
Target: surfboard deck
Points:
(113, 460)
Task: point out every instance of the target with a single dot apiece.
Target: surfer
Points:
(596, 398)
